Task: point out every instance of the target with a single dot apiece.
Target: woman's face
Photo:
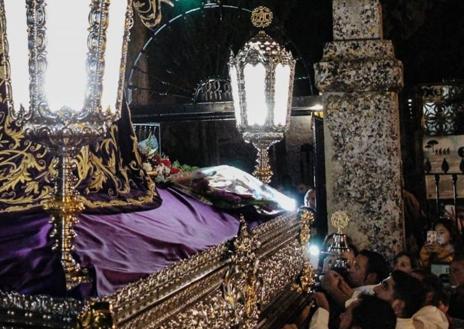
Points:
(443, 235)
(403, 263)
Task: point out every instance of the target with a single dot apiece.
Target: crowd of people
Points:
(423, 292)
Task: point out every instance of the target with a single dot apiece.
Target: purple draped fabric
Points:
(119, 248)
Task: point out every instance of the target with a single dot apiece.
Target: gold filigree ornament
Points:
(95, 315)
(149, 11)
(340, 220)
(305, 280)
(261, 17)
(242, 286)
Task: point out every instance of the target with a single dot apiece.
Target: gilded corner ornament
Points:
(306, 279)
(95, 315)
(242, 285)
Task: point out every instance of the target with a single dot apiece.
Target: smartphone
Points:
(432, 237)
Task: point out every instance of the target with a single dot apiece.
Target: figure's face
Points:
(350, 258)
(312, 199)
(443, 235)
(385, 290)
(357, 272)
(347, 317)
(403, 263)
(457, 273)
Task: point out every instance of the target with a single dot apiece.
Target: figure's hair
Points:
(373, 313)
(411, 258)
(376, 263)
(410, 290)
(434, 288)
(455, 238)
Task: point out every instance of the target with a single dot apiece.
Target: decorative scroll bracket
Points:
(96, 315)
(305, 281)
(149, 11)
(242, 285)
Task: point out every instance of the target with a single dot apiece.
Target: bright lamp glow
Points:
(282, 81)
(114, 43)
(235, 95)
(261, 76)
(16, 28)
(255, 86)
(68, 65)
(66, 75)
(314, 250)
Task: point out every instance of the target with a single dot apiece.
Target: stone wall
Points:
(360, 77)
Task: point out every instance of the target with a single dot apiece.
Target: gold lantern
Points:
(261, 77)
(65, 65)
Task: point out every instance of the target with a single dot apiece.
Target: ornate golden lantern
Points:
(65, 63)
(261, 76)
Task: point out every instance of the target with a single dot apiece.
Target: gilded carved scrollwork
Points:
(306, 279)
(106, 178)
(215, 289)
(95, 315)
(149, 11)
(241, 285)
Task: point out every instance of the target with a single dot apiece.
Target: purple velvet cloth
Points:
(119, 248)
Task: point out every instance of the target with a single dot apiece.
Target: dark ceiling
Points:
(428, 35)
(195, 38)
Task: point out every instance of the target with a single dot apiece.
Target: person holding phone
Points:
(441, 244)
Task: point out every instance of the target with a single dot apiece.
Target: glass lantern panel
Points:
(255, 92)
(281, 94)
(235, 94)
(66, 76)
(113, 58)
(18, 51)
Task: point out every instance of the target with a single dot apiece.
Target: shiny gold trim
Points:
(261, 17)
(64, 208)
(180, 293)
(241, 285)
(188, 294)
(95, 315)
(149, 11)
(263, 170)
(38, 311)
(306, 279)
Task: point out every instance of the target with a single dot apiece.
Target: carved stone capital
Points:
(359, 66)
(358, 50)
(370, 75)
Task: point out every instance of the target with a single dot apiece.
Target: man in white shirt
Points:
(369, 269)
(406, 294)
(368, 312)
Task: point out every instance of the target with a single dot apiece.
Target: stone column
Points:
(359, 77)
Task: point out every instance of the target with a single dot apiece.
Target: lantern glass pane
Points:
(66, 74)
(282, 86)
(255, 87)
(235, 94)
(113, 63)
(18, 51)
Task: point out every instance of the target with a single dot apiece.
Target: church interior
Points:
(232, 164)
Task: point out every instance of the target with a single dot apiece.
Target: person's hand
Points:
(321, 300)
(432, 247)
(345, 288)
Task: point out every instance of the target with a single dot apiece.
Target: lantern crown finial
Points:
(261, 17)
